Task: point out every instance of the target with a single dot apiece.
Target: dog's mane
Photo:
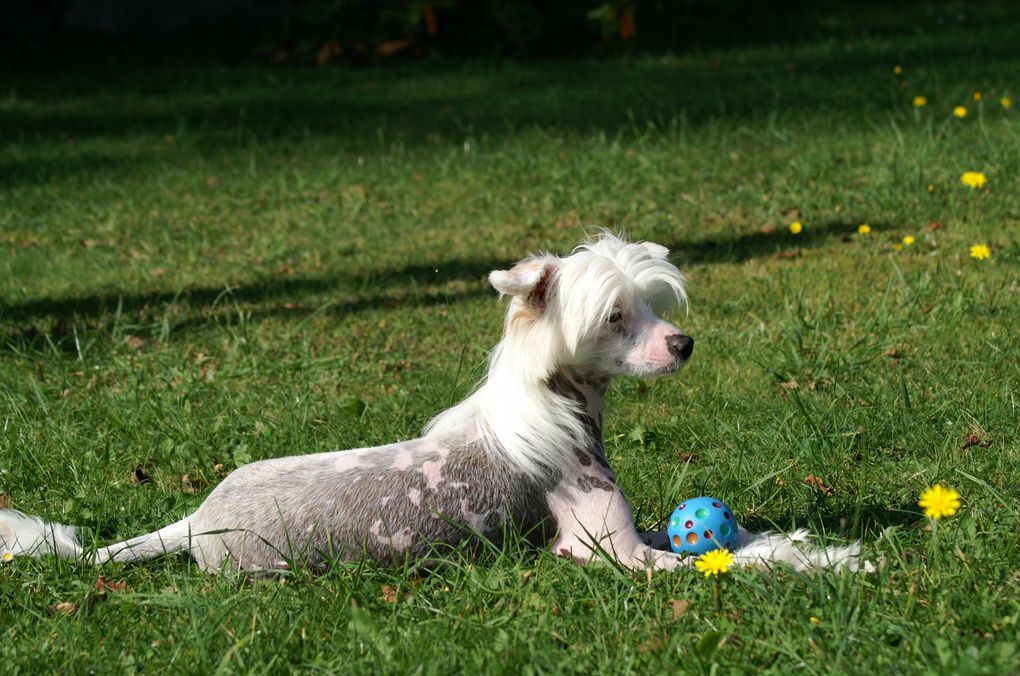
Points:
(514, 414)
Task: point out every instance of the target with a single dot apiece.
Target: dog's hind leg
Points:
(173, 538)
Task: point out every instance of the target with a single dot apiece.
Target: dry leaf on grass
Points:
(818, 483)
(192, 485)
(139, 475)
(389, 593)
(651, 645)
(975, 440)
(63, 608)
(679, 607)
(105, 586)
(821, 382)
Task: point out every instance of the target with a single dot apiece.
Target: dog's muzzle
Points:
(680, 346)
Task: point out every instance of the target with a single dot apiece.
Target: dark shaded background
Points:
(359, 32)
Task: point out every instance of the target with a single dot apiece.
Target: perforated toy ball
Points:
(701, 525)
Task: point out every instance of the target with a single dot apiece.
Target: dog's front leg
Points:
(595, 520)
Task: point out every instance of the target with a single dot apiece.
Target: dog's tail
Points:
(792, 549)
(23, 535)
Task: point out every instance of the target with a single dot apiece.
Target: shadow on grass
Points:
(57, 318)
(116, 94)
(869, 523)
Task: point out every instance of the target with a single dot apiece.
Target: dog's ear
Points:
(656, 250)
(529, 280)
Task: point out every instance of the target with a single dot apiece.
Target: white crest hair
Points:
(558, 307)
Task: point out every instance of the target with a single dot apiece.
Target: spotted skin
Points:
(389, 503)
(591, 513)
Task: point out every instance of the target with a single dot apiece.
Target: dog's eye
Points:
(615, 316)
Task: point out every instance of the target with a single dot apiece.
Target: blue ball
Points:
(701, 525)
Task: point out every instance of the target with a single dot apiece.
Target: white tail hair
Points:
(23, 535)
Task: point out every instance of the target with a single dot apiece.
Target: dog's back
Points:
(388, 503)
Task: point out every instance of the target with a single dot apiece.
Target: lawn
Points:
(204, 265)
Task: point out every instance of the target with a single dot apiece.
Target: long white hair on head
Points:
(608, 272)
(557, 306)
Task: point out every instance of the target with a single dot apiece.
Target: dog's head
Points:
(598, 310)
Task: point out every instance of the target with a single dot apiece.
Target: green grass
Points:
(212, 265)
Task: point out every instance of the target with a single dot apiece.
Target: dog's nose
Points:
(680, 346)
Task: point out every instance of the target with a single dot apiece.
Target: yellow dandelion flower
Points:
(931, 187)
(714, 562)
(1006, 102)
(939, 501)
(960, 112)
(796, 227)
(863, 229)
(920, 101)
(814, 620)
(974, 179)
(7, 556)
(977, 96)
(980, 252)
(908, 240)
(898, 70)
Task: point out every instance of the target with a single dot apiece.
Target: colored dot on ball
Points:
(724, 529)
(717, 505)
(688, 525)
(676, 540)
(676, 520)
(708, 535)
(683, 505)
(692, 538)
(727, 515)
(701, 513)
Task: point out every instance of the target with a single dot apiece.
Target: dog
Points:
(524, 451)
